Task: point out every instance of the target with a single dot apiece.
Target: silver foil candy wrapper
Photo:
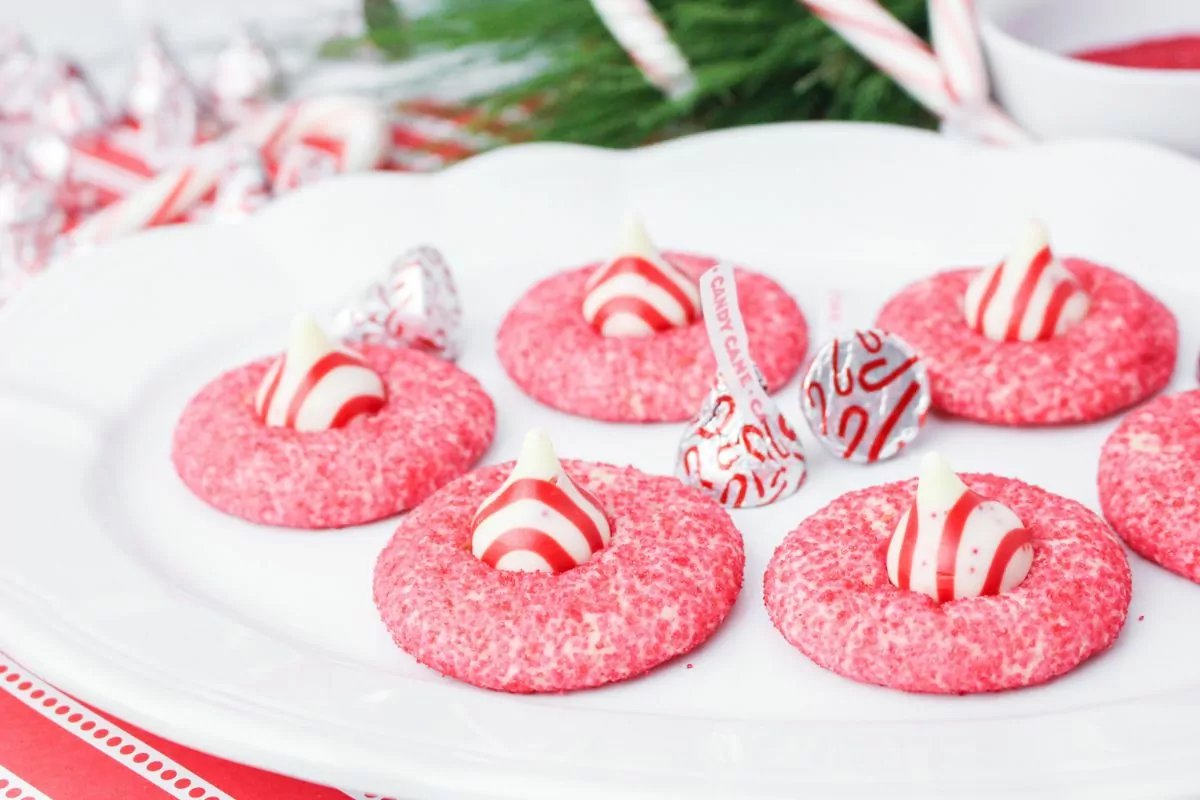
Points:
(19, 79)
(244, 186)
(31, 220)
(866, 395)
(161, 98)
(70, 103)
(416, 306)
(246, 75)
(738, 458)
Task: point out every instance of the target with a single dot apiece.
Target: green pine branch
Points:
(755, 61)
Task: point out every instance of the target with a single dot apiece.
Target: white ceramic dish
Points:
(262, 645)
(1054, 96)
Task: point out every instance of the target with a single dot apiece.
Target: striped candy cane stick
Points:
(952, 84)
(356, 128)
(957, 47)
(638, 29)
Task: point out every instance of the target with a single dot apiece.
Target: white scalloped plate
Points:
(262, 645)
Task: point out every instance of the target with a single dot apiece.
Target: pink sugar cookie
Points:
(1149, 471)
(1121, 353)
(437, 422)
(556, 358)
(827, 591)
(662, 586)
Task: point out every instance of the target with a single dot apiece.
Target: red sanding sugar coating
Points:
(828, 593)
(1150, 482)
(436, 424)
(1121, 353)
(556, 358)
(1172, 52)
(662, 586)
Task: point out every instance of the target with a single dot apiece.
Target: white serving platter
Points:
(263, 646)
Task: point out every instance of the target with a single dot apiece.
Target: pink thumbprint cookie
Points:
(1036, 340)
(541, 577)
(950, 586)
(1149, 474)
(326, 437)
(624, 340)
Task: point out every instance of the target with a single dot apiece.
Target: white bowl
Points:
(1054, 96)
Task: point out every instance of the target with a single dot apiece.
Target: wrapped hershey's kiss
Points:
(1028, 297)
(740, 448)
(161, 100)
(71, 104)
(953, 542)
(866, 395)
(416, 306)
(246, 75)
(539, 520)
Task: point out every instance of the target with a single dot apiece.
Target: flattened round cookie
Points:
(827, 591)
(555, 357)
(1121, 353)
(662, 586)
(437, 422)
(1150, 482)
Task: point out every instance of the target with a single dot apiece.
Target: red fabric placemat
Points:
(53, 747)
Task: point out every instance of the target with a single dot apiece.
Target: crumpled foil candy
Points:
(416, 306)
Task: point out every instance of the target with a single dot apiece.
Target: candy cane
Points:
(952, 83)
(638, 29)
(356, 124)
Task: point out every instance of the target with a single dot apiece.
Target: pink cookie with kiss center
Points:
(1121, 353)
(662, 586)
(1149, 474)
(827, 591)
(435, 425)
(551, 352)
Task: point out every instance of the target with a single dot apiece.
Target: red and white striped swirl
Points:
(1029, 297)
(953, 542)
(539, 520)
(315, 386)
(639, 293)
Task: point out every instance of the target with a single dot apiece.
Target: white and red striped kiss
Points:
(953, 542)
(315, 386)
(539, 520)
(1029, 297)
(639, 293)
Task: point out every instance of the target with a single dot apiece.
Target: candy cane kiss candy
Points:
(638, 292)
(315, 386)
(953, 542)
(539, 520)
(1028, 297)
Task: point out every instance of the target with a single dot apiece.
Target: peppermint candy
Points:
(954, 543)
(1029, 297)
(539, 520)
(315, 386)
(639, 293)
(866, 396)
